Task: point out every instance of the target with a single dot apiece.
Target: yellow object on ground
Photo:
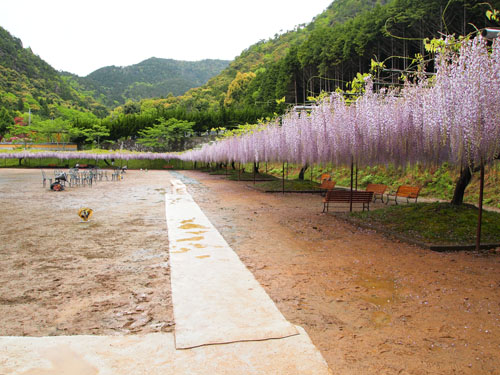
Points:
(85, 213)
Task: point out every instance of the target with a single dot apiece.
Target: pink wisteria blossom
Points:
(454, 118)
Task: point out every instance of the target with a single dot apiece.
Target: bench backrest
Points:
(345, 196)
(328, 185)
(376, 188)
(408, 191)
(325, 176)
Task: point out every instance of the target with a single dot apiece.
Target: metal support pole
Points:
(480, 213)
(356, 176)
(283, 179)
(352, 172)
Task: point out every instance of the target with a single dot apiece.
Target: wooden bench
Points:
(378, 191)
(326, 185)
(405, 191)
(344, 196)
(324, 176)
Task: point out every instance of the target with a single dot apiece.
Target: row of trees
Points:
(53, 131)
(156, 133)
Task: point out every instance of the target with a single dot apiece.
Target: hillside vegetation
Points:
(152, 78)
(329, 52)
(268, 78)
(29, 83)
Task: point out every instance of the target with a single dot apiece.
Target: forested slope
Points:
(152, 78)
(329, 52)
(29, 83)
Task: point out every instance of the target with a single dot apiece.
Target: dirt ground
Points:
(61, 276)
(370, 304)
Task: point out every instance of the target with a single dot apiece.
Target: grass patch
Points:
(245, 176)
(438, 223)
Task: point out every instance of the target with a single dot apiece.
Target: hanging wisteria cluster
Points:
(455, 117)
(66, 155)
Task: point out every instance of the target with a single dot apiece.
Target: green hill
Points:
(263, 58)
(320, 56)
(327, 53)
(152, 78)
(29, 83)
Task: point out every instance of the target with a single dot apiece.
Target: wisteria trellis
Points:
(66, 155)
(455, 118)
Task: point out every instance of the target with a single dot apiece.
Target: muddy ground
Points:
(62, 276)
(372, 305)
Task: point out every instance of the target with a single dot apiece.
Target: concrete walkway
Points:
(225, 322)
(216, 299)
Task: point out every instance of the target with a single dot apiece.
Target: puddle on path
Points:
(182, 250)
(192, 226)
(380, 318)
(203, 256)
(199, 245)
(198, 238)
(380, 291)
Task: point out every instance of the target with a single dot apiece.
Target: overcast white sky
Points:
(81, 36)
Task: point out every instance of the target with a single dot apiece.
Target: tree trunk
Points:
(256, 168)
(462, 183)
(233, 166)
(302, 172)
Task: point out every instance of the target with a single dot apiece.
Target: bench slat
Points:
(405, 191)
(344, 196)
(378, 191)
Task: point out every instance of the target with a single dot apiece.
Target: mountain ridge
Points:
(153, 77)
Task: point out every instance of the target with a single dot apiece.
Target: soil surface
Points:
(370, 304)
(63, 276)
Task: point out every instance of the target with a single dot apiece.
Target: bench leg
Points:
(389, 198)
(325, 207)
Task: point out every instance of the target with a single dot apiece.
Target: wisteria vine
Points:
(66, 155)
(455, 118)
